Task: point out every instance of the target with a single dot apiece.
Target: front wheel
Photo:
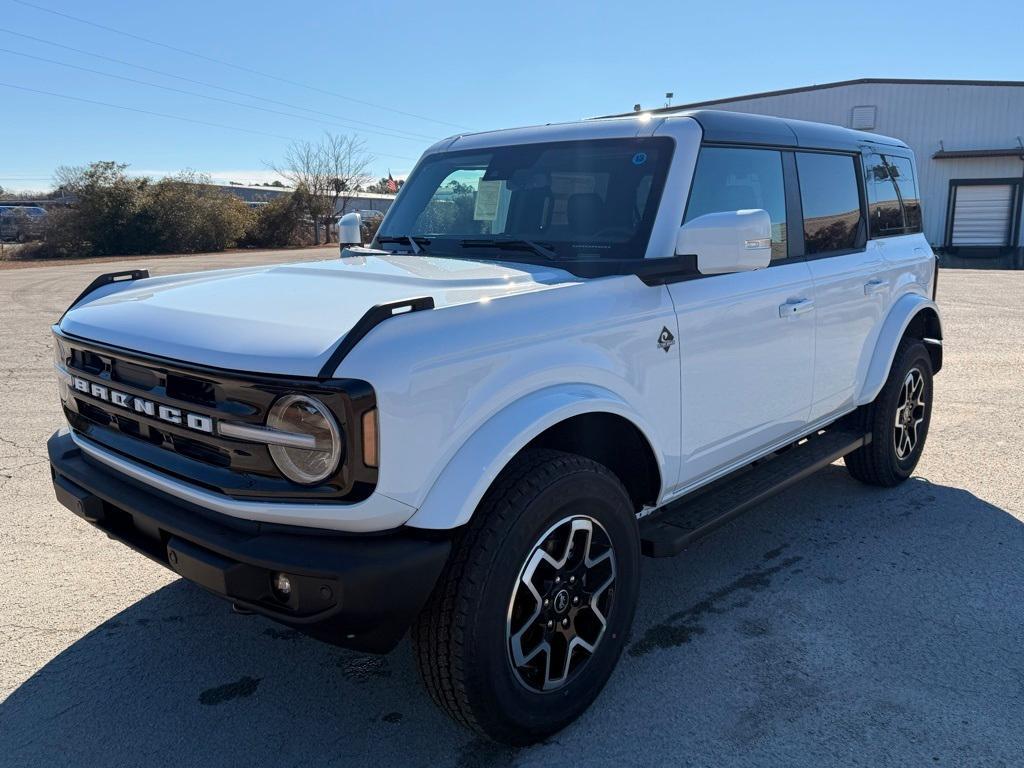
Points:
(898, 420)
(530, 616)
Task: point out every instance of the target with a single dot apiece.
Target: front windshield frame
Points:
(578, 250)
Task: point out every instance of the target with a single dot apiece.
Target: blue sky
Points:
(464, 65)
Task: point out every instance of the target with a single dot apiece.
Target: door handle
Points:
(795, 307)
(874, 286)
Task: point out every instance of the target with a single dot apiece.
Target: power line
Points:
(194, 93)
(211, 85)
(233, 65)
(144, 111)
(163, 114)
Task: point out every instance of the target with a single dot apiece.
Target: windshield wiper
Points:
(513, 244)
(418, 244)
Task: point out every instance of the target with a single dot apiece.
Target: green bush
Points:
(105, 218)
(279, 223)
(185, 214)
(115, 214)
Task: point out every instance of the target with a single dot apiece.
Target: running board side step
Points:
(676, 526)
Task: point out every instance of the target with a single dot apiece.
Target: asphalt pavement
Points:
(834, 625)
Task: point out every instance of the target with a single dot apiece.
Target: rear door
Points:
(746, 339)
(851, 293)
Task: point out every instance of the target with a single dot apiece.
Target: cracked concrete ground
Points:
(833, 625)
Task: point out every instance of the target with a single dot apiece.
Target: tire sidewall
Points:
(520, 709)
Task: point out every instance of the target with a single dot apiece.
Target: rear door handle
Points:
(874, 286)
(795, 307)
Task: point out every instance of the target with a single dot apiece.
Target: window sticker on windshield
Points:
(639, 158)
(488, 195)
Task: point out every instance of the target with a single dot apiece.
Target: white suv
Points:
(567, 346)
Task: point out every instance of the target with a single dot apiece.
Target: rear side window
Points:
(893, 203)
(736, 179)
(831, 202)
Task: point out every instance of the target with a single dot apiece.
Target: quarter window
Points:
(734, 179)
(884, 210)
(831, 202)
(903, 171)
(893, 203)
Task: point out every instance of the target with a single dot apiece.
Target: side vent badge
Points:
(666, 339)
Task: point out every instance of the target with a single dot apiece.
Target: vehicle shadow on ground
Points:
(835, 624)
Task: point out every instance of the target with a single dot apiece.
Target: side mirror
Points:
(729, 241)
(350, 230)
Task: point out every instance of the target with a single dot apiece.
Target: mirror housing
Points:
(728, 241)
(350, 230)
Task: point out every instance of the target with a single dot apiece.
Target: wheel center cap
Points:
(561, 601)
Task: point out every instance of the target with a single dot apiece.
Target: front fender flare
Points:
(463, 482)
(895, 325)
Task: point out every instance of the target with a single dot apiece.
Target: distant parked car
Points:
(8, 226)
(22, 222)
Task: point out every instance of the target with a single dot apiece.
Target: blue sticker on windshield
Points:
(639, 158)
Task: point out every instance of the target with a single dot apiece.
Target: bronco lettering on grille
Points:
(196, 421)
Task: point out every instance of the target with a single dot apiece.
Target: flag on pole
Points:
(392, 185)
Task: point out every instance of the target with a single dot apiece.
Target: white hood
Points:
(284, 319)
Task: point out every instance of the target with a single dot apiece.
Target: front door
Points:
(746, 340)
(747, 357)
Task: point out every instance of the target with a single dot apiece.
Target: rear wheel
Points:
(898, 420)
(528, 620)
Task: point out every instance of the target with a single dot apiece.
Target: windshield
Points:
(576, 200)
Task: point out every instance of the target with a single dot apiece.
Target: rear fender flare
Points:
(895, 325)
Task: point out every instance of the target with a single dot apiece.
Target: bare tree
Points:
(327, 172)
(348, 164)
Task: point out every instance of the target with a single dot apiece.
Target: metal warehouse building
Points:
(966, 134)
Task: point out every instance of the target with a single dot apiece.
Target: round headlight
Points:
(302, 415)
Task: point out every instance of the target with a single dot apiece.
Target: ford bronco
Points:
(567, 346)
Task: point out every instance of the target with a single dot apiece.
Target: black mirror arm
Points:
(671, 269)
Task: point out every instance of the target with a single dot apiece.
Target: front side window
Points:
(830, 198)
(736, 179)
(574, 200)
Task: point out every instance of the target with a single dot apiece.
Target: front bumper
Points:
(357, 591)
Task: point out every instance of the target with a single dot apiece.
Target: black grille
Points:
(235, 467)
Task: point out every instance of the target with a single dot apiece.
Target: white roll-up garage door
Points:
(982, 214)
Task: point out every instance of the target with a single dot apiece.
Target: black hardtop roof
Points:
(721, 126)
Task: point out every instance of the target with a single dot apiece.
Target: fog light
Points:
(282, 584)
